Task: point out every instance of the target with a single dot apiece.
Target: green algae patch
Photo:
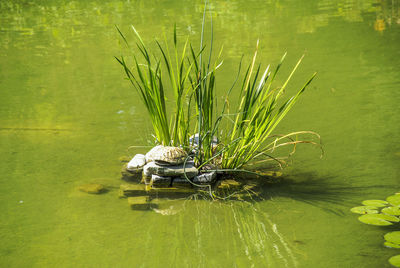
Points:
(364, 210)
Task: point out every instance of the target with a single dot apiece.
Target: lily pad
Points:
(364, 210)
(375, 203)
(394, 199)
(392, 211)
(395, 260)
(391, 245)
(378, 219)
(393, 237)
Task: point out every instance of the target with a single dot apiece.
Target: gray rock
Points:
(137, 163)
(170, 171)
(146, 179)
(160, 181)
(209, 166)
(205, 178)
(135, 176)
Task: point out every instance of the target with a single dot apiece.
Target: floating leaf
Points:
(395, 260)
(394, 199)
(392, 211)
(391, 245)
(393, 237)
(389, 218)
(375, 203)
(378, 219)
(364, 210)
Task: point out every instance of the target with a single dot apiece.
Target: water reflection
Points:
(241, 234)
(57, 74)
(60, 24)
(327, 192)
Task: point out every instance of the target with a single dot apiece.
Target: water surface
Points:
(67, 115)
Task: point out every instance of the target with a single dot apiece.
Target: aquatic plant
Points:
(148, 81)
(383, 213)
(247, 133)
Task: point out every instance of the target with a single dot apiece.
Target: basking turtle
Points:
(166, 155)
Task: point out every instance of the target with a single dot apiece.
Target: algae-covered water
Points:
(67, 116)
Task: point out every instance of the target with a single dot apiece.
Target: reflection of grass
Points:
(323, 192)
(192, 75)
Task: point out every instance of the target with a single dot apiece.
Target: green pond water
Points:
(67, 115)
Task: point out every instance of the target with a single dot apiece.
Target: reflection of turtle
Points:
(166, 155)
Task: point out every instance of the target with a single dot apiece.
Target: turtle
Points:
(166, 155)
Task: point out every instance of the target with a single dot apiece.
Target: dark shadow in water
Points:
(326, 193)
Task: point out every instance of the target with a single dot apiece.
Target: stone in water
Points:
(137, 163)
(160, 181)
(92, 188)
(153, 168)
(205, 178)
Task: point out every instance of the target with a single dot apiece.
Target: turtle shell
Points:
(166, 155)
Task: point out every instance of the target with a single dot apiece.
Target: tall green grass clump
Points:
(147, 77)
(227, 140)
(261, 109)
